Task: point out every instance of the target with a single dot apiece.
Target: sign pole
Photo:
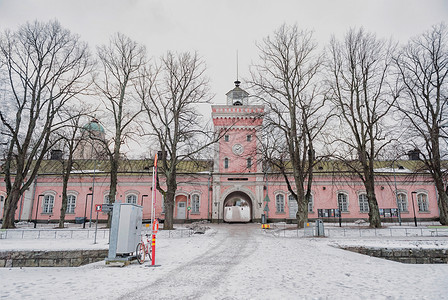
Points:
(98, 208)
(96, 226)
(154, 222)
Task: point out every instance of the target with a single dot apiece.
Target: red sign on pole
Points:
(155, 226)
(98, 207)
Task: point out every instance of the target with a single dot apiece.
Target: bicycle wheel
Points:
(140, 253)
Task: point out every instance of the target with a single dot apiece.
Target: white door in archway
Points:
(181, 210)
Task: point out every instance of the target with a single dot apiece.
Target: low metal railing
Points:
(282, 230)
(41, 233)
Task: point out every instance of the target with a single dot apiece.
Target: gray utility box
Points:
(319, 228)
(125, 230)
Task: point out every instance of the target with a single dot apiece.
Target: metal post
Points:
(93, 191)
(396, 194)
(37, 208)
(413, 208)
(96, 226)
(85, 211)
(340, 212)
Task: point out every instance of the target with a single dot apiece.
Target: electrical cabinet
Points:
(126, 227)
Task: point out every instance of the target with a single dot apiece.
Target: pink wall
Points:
(324, 191)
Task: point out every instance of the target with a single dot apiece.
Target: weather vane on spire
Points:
(237, 82)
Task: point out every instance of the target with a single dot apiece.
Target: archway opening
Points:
(237, 207)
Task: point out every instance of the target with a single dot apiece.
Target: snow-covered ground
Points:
(234, 261)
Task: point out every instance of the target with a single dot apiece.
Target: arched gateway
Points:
(237, 207)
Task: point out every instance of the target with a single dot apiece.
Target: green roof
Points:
(52, 167)
(93, 126)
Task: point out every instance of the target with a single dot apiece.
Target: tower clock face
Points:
(238, 149)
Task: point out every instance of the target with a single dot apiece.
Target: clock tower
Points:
(238, 123)
(237, 172)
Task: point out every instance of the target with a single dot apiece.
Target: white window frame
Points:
(402, 200)
(422, 202)
(280, 205)
(345, 203)
(128, 196)
(311, 203)
(195, 203)
(363, 203)
(106, 199)
(71, 204)
(48, 204)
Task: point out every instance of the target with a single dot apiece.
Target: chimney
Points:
(414, 154)
(56, 155)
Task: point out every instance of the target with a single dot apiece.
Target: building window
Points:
(106, 199)
(249, 163)
(249, 137)
(226, 138)
(226, 163)
(195, 203)
(402, 202)
(71, 204)
(343, 202)
(131, 199)
(48, 204)
(280, 203)
(363, 203)
(422, 200)
(310, 204)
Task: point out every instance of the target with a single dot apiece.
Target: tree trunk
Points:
(11, 202)
(374, 216)
(171, 187)
(369, 184)
(113, 187)
(442, 200)
(65, 180)
(10, 208)
(302, 211)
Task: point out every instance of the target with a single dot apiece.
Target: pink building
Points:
(232, 187)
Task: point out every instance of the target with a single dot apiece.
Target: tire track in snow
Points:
(194, 279)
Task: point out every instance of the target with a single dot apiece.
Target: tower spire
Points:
(237, 82)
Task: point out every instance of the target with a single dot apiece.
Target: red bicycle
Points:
(143, 249)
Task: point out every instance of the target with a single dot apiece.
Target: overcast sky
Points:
(217, 29)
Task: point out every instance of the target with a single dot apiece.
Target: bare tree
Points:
(69, 138)
(359, 70)
(423, 68)
(44, 66)
(122, 63)
(170, 93)
(286, 80)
